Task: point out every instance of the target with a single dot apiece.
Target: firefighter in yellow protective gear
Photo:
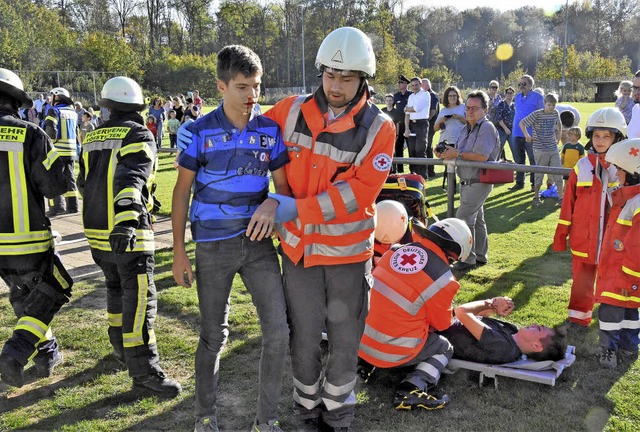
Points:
(61, 124)
(117, 168)
(39, 285)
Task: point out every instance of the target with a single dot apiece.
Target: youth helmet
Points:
(608, 118)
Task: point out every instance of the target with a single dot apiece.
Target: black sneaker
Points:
(516, 187)
(45, 370)
(11, 371)
(157, 382)
(409, 397)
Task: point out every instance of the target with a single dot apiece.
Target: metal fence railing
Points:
(453, 163)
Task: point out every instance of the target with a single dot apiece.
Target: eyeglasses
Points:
(472, 108)
(494, 87)
(635, 88)
(523, 84)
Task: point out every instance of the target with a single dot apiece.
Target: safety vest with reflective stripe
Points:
(585, 208)
(64, 121)
(336, 170)
(29, 168)
(412, 293)
(618, 281)
(117, 169)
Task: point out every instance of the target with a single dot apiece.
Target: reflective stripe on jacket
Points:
(63, 120)
(117, 169)
(618, 281)
(585, 208)
(29, 171)
(413, 292)
(336, 171)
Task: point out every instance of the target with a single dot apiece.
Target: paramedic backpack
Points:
(408, 189)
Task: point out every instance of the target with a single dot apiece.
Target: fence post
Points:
(451, 189)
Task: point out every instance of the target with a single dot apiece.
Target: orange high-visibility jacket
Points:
(618, 282)
(412, 293)
(336, 171)
(585, 207)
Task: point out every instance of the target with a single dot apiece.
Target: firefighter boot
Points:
(72, 204)
(47, 358)
(56, 206)
(11, 371)
(158, 382)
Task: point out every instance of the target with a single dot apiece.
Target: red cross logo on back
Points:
(408, 259)
(634, 151)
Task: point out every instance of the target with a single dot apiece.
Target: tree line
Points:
(170, 45)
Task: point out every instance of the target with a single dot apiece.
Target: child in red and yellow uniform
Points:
(585, 209)
(617, 286)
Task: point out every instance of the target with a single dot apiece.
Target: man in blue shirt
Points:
(526, 102)
(228, 161)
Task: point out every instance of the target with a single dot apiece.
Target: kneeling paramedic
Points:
(117, 168)
(38, 283)
(411, 298)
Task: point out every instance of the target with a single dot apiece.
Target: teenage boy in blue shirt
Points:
(228, 162)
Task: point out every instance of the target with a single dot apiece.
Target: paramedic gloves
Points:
(184, 135)
(122, 237)
(286, 210)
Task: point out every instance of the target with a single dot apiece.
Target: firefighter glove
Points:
(122, 237)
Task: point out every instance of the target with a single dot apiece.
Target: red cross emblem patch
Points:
(634, 151)
(382, 162)
(409, 259)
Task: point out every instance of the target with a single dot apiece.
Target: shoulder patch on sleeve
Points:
(382, 162)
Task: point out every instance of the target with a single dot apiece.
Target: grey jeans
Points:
(471, 210)
(257, 264)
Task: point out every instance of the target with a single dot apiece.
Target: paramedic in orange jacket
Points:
(617, 286)
(412, 297)
(340, 148)
(585, 208)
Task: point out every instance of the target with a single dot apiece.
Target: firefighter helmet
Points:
(347, 49)
(123, 94)
(392, 221)
(11, 85)
(607, 118)
(451, 234)
(60, 91)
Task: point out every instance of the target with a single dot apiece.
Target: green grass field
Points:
(90, 393)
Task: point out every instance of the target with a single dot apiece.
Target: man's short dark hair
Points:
(235, 59)
(555, 346)
(567, 118)
(482, 96)
(415, 78)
